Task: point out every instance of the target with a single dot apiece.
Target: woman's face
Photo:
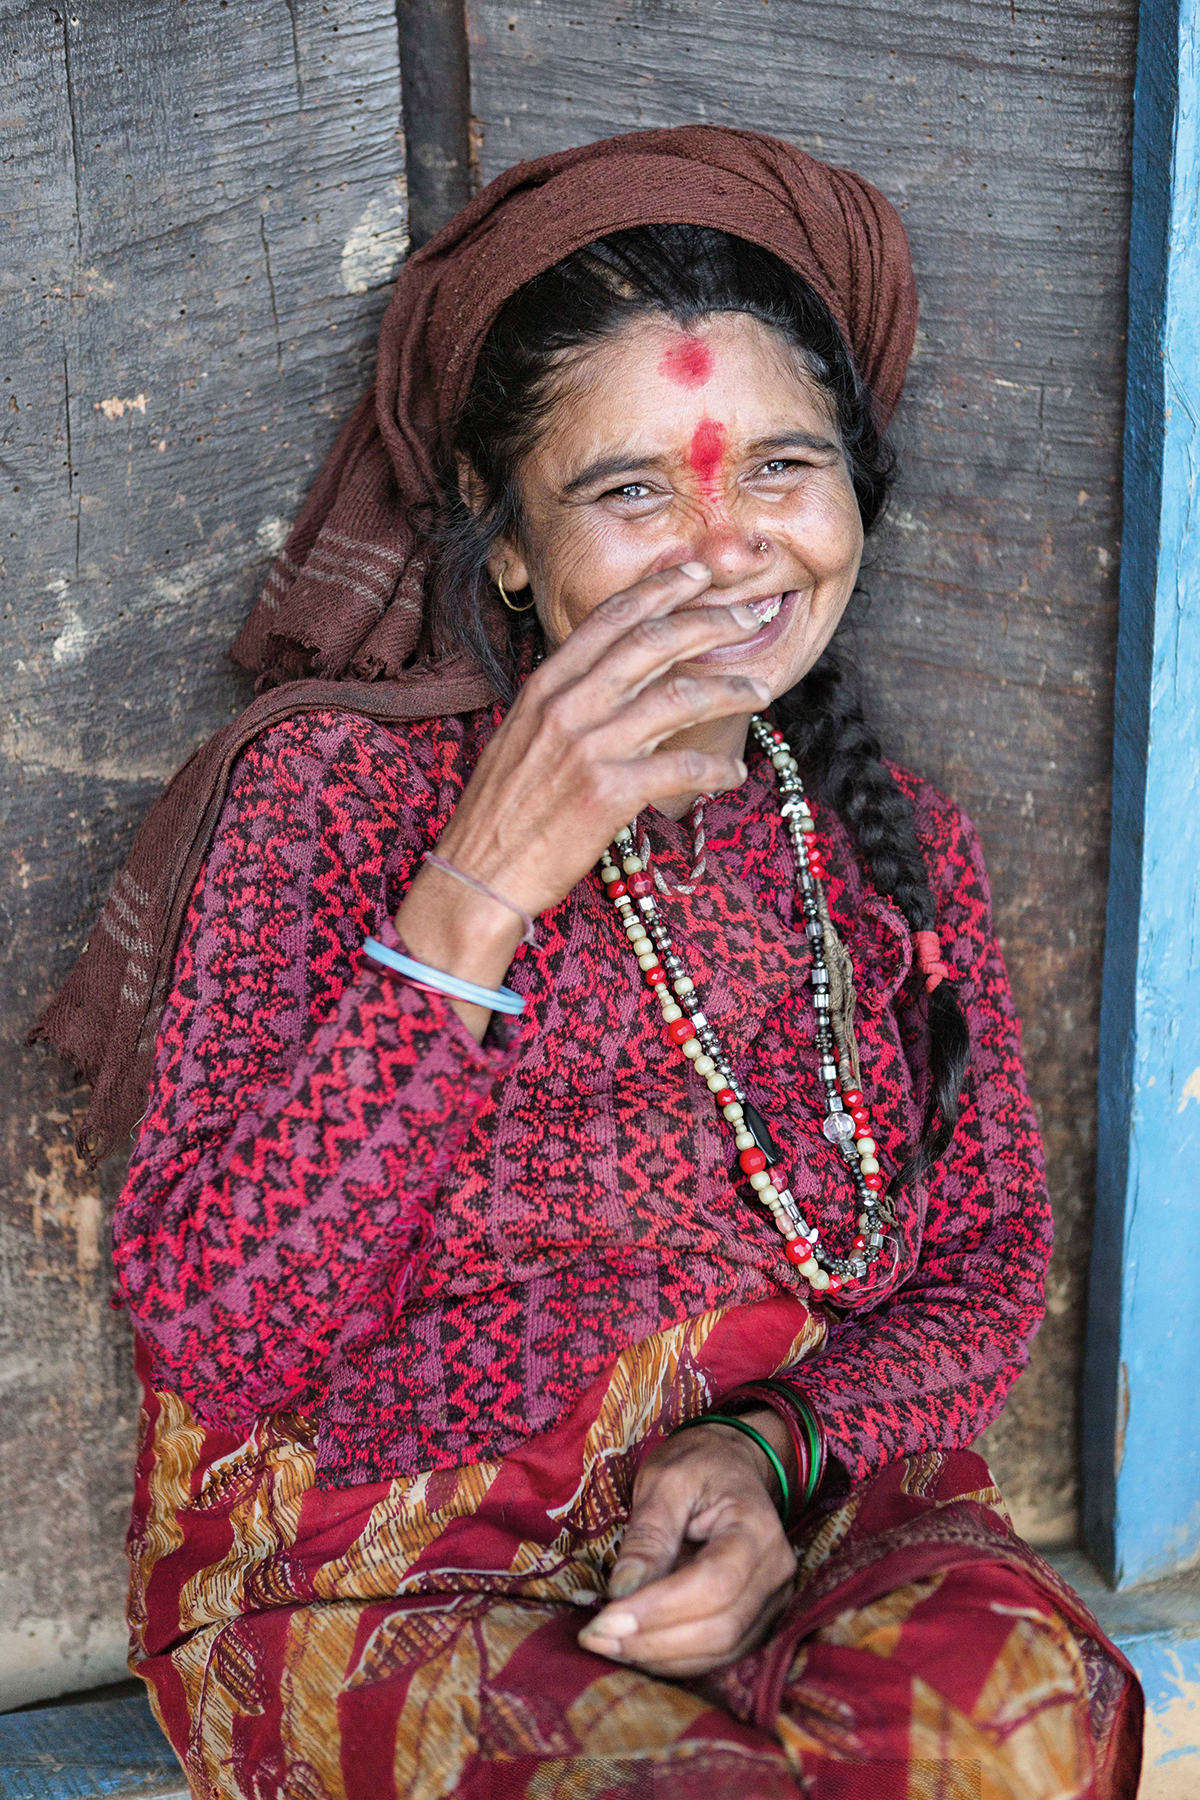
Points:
(709, 445)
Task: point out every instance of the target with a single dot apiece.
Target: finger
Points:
(710, 1611)
(745, 1558)
(647, 780)
(672, 705)
(654, 595)
(644, 654)
(653, 1539)
(685, 1650)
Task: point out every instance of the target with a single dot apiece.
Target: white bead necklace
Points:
(847, 1121)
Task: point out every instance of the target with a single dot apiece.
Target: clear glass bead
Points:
(838, 1127)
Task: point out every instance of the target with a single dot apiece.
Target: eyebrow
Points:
(626, 461)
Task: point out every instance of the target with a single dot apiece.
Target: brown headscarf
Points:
(342, 607)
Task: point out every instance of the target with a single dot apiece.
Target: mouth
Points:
(775, 611)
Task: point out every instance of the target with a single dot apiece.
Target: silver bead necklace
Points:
(847, 1121)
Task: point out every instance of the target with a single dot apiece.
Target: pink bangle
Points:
(448, 868)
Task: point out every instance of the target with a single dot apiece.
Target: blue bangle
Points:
(495, 999)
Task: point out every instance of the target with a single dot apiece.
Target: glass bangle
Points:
(716, 1418)
(501, 1000)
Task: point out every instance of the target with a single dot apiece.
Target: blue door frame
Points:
(1141, 1422)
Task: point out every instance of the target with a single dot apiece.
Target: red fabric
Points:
(340, 1201)
(397, 1641)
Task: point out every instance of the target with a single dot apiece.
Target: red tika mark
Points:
(689, 363)
(707, 449)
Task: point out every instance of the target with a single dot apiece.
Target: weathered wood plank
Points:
(204, 206)
(1002, 133)
(1142, 1447)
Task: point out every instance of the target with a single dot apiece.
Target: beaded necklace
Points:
(847, 1122)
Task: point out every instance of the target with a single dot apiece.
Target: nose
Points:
(733, 550)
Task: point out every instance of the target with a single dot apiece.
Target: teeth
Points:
(767, 609)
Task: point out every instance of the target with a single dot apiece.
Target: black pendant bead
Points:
(759, 1130)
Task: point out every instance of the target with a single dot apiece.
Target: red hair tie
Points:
(929, 960)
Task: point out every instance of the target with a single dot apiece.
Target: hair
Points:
(688, 272)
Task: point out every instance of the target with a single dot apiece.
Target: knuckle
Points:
(556, 716)
(684, 691)
(653, 634)
(693, 765)
(623, 608)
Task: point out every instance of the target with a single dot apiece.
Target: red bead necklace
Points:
(847, 1122)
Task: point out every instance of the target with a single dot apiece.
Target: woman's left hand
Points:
(704, 1569)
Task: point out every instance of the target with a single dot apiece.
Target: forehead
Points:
(655, 380)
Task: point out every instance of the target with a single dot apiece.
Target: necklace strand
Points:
(846, 1123)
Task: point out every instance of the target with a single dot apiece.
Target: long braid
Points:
(824, 720)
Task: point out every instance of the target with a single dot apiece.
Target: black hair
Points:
(688, 272)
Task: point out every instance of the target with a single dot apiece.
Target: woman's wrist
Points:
(460, 932)
(766, 1425)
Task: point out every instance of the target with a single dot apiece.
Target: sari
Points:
(415, 1639)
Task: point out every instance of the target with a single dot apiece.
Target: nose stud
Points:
(762, 546)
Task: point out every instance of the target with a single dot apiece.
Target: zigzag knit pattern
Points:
(340, 1203)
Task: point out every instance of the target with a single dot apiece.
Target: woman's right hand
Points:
(578, 755)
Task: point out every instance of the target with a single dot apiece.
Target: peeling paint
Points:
(271, 534)
(378, 241)
(1171, 1678)
(1190, 1090)
(73, 641)
(116, 408)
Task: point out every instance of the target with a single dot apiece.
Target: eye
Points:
(631, 490)
(780, 465)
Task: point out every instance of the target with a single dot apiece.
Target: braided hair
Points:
(689, 272)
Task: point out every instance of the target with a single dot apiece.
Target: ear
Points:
(507, 562)
(506, 559)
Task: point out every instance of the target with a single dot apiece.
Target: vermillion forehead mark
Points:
(689, 363)
(705, 453)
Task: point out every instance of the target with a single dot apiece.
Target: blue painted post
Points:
(1142, 1378)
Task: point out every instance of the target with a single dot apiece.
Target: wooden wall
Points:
(203, 206)
(1002, 132)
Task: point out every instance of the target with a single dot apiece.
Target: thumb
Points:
(651, 1543)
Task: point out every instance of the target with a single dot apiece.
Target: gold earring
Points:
(505, 598)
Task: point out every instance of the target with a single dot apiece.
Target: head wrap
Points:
(339, 620)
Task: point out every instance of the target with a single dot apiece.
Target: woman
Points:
(588, 1199)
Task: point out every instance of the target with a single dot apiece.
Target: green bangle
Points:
(812, 1431)
(816, 1466)
(716, 1418)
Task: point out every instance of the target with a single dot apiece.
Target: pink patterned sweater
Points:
(340, 1203)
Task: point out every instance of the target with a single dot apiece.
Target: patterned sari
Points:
(416, 1638)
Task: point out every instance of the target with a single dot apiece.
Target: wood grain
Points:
(204, 207)
(1002, 132)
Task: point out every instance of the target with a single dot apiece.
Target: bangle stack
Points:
(436, 981)
(804, 1429)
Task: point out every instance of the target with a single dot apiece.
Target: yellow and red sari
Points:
(416, 1638)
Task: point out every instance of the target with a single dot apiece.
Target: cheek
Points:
(828, 528)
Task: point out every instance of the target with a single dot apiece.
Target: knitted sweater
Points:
(340, 1203)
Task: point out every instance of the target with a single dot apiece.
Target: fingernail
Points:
(696, 571)
(626, 1577)
(762, 688)
(745, 616)
(601, 1646)
(614, 1625)
(742, 770)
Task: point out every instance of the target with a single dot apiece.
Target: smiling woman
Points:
(571, 1250)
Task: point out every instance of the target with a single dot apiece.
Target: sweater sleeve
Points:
(931, 1366)
(305, 1106)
